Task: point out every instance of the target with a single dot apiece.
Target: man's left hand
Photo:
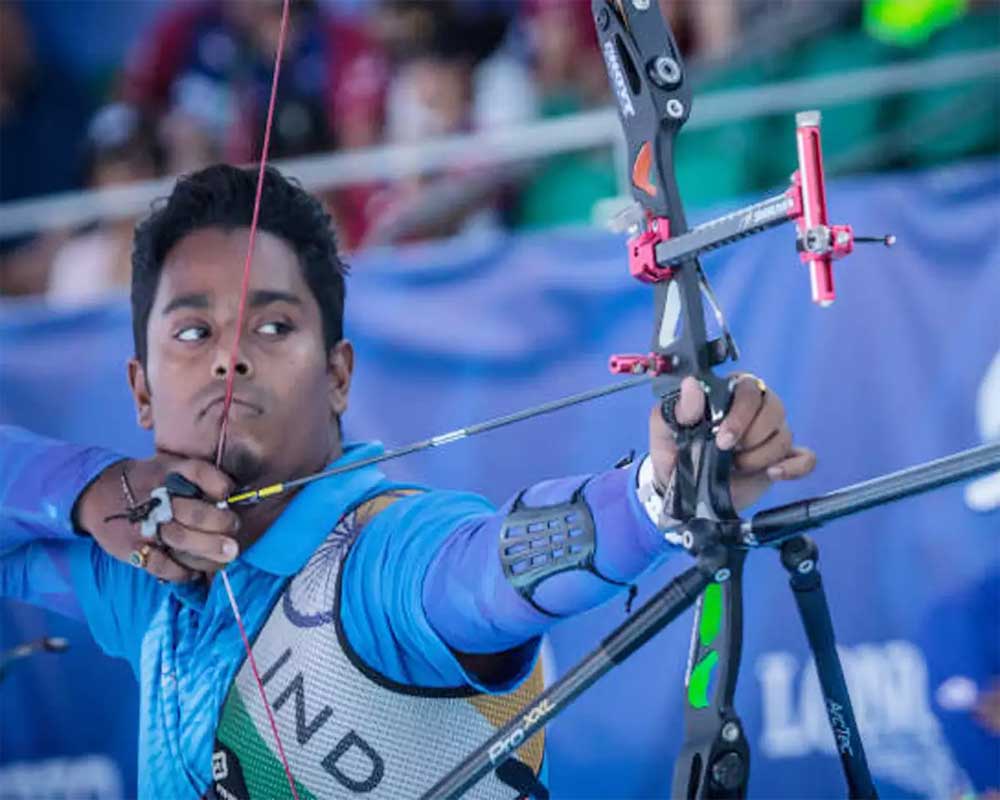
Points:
(755, 429)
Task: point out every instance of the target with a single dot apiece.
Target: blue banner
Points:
(903, 368)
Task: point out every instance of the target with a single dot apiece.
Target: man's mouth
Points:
(237, 405)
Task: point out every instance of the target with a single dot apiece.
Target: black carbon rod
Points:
(777, 524)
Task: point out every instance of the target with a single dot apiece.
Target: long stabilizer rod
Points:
(783, 522)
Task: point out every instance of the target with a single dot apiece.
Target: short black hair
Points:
(223, 196)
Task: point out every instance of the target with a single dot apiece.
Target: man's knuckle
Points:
(154, 563)
(197, 516)
(214, 521)
(175, 535)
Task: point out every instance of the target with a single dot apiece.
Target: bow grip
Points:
(702, 471)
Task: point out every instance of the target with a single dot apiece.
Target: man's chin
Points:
(243, 464)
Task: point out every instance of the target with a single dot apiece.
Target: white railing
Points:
(581, 131)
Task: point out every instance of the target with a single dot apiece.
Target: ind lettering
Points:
(273, 669)
(304, 731)
(375, 765)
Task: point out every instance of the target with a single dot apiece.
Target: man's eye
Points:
(192, 333)
(274, 328)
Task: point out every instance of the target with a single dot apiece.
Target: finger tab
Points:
(180, 486)
(207, 480)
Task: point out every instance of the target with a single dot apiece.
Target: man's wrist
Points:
(655, 499)
(649, 491)
(83, 516)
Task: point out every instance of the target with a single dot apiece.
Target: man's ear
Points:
(140, 394)
(340, 368)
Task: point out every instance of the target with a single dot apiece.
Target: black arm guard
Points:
(537, 543)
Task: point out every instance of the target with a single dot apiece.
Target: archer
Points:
(381, 614)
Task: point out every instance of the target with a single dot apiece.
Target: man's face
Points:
(288, 390)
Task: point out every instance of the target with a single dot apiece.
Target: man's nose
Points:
(224, 357)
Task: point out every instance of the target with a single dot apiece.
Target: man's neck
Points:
(256, 520)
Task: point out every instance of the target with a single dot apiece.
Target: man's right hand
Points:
(200, 534)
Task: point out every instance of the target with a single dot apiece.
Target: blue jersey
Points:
(424, 575)
(45, 562)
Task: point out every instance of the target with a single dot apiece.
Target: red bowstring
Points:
(231, 377)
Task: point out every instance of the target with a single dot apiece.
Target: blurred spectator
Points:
(42, 118)
(122, 146)
(210, 63)
(360, 72)
(709, 30)
(570, 77)
(206, 68)
(568, 67)
(452, 75)
(454, 68)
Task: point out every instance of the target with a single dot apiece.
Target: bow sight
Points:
(654, 100)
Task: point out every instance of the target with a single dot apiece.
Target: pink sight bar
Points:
(819, 243)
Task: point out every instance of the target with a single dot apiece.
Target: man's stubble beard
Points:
(245, 466)
(239, 461)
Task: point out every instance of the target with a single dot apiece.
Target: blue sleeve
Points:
(40, 481)
(474, 606)
(118, 601)
(45, 562)
(424, 579)
(382, 608)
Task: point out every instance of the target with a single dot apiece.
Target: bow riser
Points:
(653, 96)
(654, 100)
